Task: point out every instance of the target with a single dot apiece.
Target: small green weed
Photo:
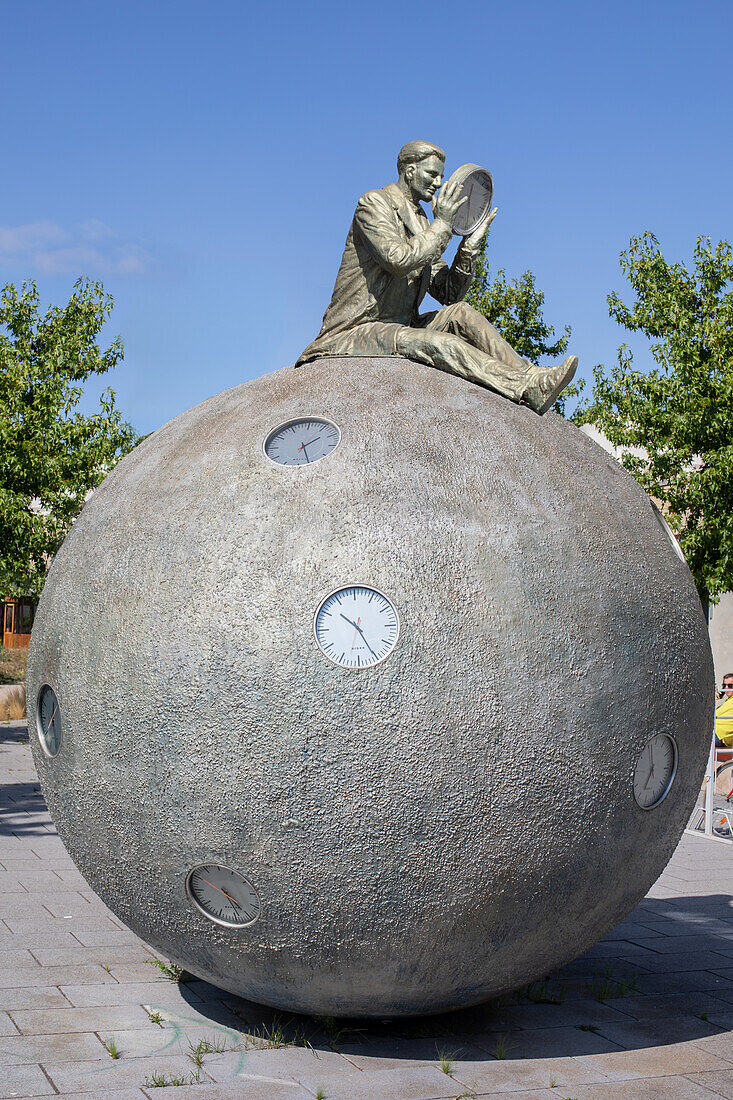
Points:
(172, 972)
(446, 1059)
(206, 1046)
(539, 993)
(587, 1027)
(626, 985)
(270, 1035)
(107, 968)
(112, 1047)
(703, 1015)
(156, 1018)
(161, 1080)
(335, 1032)
(320, 1095)
(502, 1047)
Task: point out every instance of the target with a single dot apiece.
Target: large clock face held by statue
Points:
(356, 627)
(478, 191)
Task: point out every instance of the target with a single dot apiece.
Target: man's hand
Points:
(472, 242)
(446, 203)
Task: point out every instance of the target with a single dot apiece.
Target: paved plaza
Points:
(88, 1010)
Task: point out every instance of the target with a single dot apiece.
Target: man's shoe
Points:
(547, 385)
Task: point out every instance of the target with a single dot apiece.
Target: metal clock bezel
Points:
(295, 420)
(379, 592)
(39, 733)
(668, 531)
(670, 781)
(209, 916)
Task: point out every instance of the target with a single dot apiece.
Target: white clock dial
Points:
(222, 895)
(357, 627)
(655, 770)
(302, 441)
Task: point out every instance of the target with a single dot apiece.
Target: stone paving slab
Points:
(667, 1088)
(25, 1081)
(647, 1014)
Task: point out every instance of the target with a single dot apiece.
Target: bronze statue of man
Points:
(392, 260)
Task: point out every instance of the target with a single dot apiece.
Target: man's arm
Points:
(388, 244)
(451, 284)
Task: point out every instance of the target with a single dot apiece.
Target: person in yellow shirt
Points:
(724, 714)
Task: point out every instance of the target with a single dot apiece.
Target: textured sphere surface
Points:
(424, 834)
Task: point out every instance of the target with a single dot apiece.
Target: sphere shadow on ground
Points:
(604, 1001)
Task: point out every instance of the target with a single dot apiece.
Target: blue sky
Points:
(204, 160)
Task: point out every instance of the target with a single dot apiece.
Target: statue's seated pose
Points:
(392, 260)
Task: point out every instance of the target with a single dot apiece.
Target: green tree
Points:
(679, 414)
(51, 456)
(515, 308)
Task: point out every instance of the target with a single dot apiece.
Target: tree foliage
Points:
(679, 414)
(51, 455)
(515, 308)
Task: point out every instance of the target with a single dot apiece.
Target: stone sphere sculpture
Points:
(428, 818)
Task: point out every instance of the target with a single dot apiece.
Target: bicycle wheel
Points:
(724, 782)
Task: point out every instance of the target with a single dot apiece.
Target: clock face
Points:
(301, 442)
(48, 721)
(357, 627)
(478, 188)
(655, 770)
(223, 895)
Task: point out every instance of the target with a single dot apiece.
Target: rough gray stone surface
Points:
(447, 825)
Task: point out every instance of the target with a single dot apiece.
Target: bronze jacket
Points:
(391, 261)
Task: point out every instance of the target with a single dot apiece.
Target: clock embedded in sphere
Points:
(357, 627)
(301, 441)
(655, 770)
(223, 895)
(48, 721)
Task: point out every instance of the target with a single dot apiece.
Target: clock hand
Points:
(48, 727)
(366, 643)
(352, 623)
(307, 443)
(211, 884)
(651, 773)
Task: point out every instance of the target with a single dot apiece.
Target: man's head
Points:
(728, 683)
(420, 167)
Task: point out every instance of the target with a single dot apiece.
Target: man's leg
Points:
(449, 352)
(459, 339)
(465, 321)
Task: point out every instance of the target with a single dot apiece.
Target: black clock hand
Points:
(357, 627)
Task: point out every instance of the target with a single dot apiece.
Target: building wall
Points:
(720, 621)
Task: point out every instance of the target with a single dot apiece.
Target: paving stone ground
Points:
(647, 1014)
